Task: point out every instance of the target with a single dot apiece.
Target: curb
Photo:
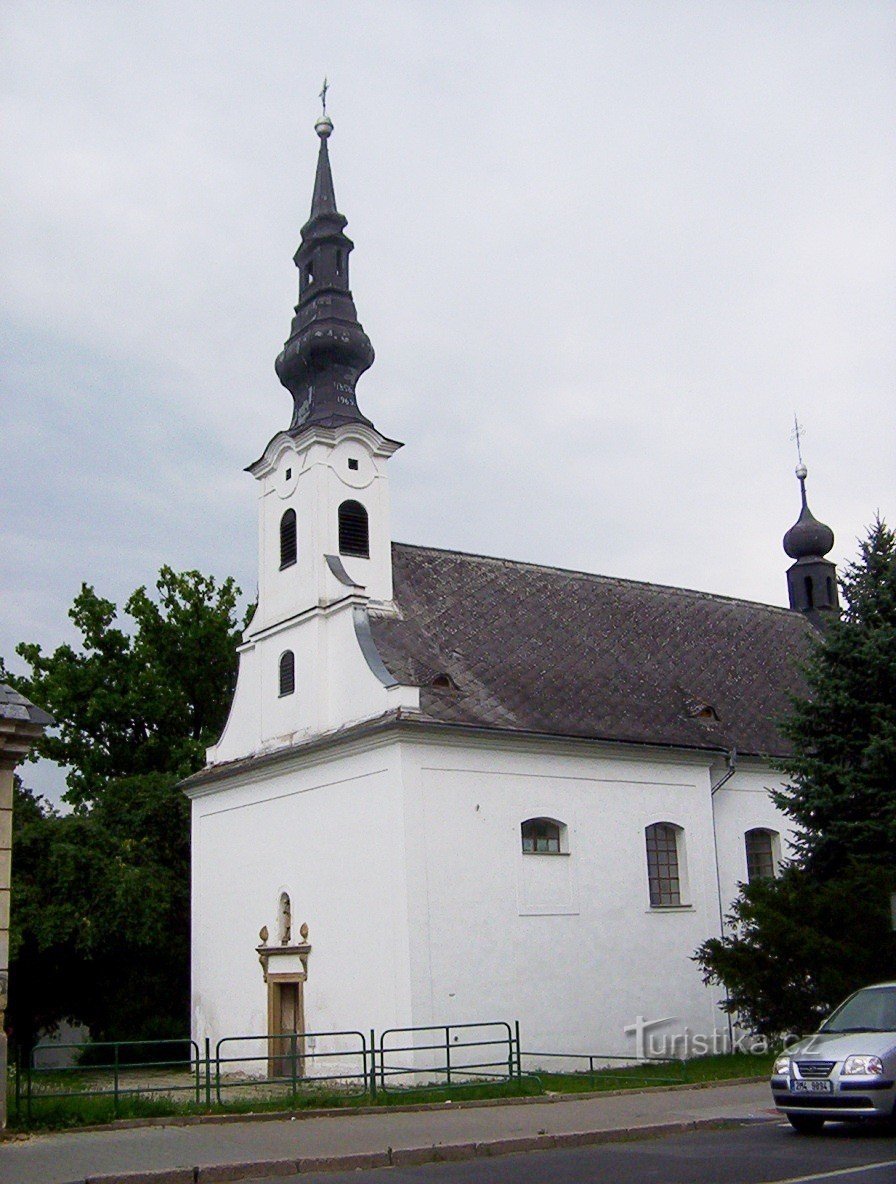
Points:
(225, 1173)
(124, 1124)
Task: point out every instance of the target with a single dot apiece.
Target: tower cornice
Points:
(301, 441)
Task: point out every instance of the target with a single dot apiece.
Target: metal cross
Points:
(323, 95)
(797, 432)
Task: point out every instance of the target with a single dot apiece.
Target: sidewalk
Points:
(220, 1151)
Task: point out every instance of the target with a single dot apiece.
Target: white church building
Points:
(455, 788)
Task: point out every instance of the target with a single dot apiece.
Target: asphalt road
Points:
(760, 1153)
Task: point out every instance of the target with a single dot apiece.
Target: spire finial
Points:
(797, 434)
(324, 125)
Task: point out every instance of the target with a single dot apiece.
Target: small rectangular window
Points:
(541, 836)
(353, 464)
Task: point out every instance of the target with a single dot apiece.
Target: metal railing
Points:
(285, 1060)
(600, 1066)
(111, 1077)
(449, 1045)
(293, 1065)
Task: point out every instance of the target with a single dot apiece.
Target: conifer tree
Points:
(799, 943)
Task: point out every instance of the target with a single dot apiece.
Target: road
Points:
(760, 1153)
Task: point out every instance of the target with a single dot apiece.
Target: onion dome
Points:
(327, 349)
(807, 538)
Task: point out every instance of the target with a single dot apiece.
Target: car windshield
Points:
(872, 1009)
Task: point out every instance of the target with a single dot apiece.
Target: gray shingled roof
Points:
(539, 649)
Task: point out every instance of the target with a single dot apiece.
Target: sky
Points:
(605, 252)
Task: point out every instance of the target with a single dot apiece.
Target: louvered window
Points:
(353, 532)
(288, 548)
(662, 865)
(760, 854)
(287, 673)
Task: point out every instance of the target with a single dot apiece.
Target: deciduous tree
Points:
(100, 911)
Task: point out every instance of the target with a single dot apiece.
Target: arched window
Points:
(810, 592)
(353, 533)
(284, 919)
(760, 844)
(288, 548)
(287, 672)
(663, 873)
(543, 836)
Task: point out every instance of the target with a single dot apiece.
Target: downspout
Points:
(713, 790)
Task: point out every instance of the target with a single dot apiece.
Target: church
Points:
(455, 788)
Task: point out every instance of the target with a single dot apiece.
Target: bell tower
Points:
(812, 580)
(324, 504)
(324, 539)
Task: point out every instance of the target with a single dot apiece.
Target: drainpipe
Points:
(713, 790)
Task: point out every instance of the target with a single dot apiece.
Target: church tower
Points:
(812, 580)
(323, 525)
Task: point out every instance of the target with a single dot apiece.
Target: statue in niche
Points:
(285, 919)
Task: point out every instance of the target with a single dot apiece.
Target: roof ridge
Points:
(624, 580)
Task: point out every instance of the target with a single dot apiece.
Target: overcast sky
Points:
(604, 252)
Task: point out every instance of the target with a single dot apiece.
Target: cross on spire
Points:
(323, 95)
(796, 435)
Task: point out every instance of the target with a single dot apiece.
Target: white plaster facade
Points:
(400, 848)
(403, 856)
(396, 835)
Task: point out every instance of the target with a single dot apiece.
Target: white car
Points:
(847, 1070)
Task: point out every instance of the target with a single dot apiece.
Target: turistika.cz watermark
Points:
(651, 1042)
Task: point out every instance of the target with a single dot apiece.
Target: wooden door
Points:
(287, 1054)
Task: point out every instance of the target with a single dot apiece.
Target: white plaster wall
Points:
(567, 944)
(304, 607)
(405, 861)
(741, 804)
(334, 685)
(331, 836)
(312, 477)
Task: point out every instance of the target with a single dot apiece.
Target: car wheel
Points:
(806, 1124)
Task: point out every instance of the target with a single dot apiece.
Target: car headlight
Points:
(868, 1066)
(782, 1066)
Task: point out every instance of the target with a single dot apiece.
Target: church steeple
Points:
(327, 350)
(812, 580)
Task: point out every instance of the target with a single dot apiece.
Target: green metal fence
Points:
(445, 1056)
(292, 1060)
(451, 1054)
(111, 1071)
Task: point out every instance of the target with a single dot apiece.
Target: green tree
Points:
(843, 768)
(101, 905)
(799, 943)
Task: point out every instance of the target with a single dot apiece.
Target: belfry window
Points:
(288, 548)
(287, 673)
(353, 530)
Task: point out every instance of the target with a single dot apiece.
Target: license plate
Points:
(811, 1087)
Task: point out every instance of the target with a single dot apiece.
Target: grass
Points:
(96, 1110)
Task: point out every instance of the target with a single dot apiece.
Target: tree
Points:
(799, 943)
(100, 921)
(843, 767)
